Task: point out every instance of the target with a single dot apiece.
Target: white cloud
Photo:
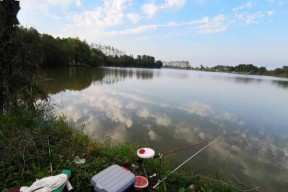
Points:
(45, 5)
(213, 25)
(244, 6)
(199, 21)
(136, 30)
(174, 34)
(78, 3)
(172, 24)
(270, 13)
(150, 9)
(62, 3)
(204, 25)
(32, 8)
(94, 22)
(133, 17)
(172, 3)
(250, 18)
(110, 14)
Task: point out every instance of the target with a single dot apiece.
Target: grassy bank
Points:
(25, 142)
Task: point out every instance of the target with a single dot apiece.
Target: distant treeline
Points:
(248, 69)
(144, 61)
(119, 58)
(51, 52)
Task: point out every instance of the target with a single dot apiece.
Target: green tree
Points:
(52, 53)
(18, 66)
(80, 51)
(262, 70)
(97, 58)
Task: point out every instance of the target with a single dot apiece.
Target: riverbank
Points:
(245, 69)
(32, 148)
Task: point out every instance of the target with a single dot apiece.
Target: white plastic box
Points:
(113, 179)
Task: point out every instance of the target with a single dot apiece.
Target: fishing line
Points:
(189, 146)
(214, 140)
(182, 148)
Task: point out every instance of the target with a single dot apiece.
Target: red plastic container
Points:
(140, 182)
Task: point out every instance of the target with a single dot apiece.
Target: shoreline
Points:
(29, 157)
(232, 72)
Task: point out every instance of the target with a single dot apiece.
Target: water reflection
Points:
(123, 73)
(170, 112)
(238, 79)
(282, 84)
(79, 78)
(73, 78)
(248, 79)
(177, 74)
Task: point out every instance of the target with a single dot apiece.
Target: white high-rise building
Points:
(176, 64)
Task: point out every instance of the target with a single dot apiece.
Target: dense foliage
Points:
(144, 61)
(73, 51)
(19, 79)
(282, 72)
(249, 69)
(60, 51)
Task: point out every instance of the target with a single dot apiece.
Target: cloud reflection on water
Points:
(153, 135)
(248, 79)
(159, 119)
(97, 131)
(114, 110)
(120, 110)
(186, 133)
(257, 152)
(203, 110)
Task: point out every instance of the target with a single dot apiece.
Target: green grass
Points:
(25, 141)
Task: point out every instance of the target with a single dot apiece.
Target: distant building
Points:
(176, 64)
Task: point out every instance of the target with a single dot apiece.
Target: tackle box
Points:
(113, 179)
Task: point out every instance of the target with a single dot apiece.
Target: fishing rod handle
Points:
(157, 156)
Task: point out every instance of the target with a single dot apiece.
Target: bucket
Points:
(140, 182)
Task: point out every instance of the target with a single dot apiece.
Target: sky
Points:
(203, 32)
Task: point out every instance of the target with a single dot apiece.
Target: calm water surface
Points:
(166, 109)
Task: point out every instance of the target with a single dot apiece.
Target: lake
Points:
(166, 109)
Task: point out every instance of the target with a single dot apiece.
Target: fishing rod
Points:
(189, 146)
(180, 149)
(210, 143)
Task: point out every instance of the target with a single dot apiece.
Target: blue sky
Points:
(207, 32)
